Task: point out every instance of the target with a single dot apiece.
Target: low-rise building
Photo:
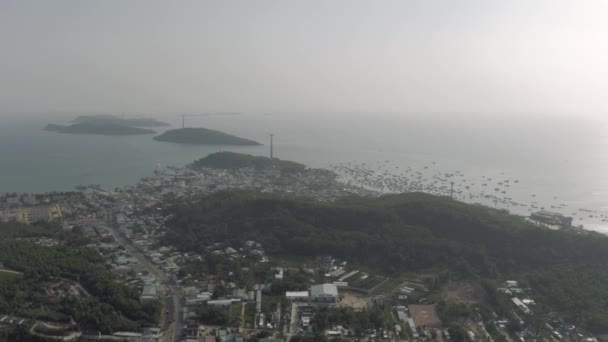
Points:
(324, 293)
(149, 292)
(297, 296)
(523, 307)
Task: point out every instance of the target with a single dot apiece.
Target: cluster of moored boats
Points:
(385, 177)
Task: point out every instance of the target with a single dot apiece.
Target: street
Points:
(173, 304)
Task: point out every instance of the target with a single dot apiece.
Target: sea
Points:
(556, 162)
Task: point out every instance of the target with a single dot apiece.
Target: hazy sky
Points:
(278, 56)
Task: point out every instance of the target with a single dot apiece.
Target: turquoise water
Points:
(558, 161)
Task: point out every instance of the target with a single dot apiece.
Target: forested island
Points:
(415, 232)
(98, 128)
(232, 161)
(203, 136)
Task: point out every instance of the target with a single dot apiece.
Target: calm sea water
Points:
(556, 161)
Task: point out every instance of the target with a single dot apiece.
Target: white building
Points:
(297, 296)
(324, 293)
(523, 307)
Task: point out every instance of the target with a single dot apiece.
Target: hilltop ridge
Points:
(203, 136)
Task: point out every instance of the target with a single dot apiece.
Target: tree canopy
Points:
(409, 232)
(112, 305)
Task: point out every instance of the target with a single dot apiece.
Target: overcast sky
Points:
(486, 56)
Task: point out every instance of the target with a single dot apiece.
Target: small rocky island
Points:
(203, 136)
(98, 128)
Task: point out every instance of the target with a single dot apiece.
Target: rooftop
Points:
(324, 290)
(292, 294)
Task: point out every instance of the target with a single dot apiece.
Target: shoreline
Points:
(438, 190)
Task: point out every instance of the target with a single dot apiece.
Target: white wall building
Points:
(324, 293)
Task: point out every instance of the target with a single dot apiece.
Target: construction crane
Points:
(188, 115)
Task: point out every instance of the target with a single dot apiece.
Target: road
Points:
(292, 327)
(173, 302)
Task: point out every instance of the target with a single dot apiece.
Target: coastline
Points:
(514, 210)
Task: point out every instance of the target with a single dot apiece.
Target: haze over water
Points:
(555, 161)
(496, 58)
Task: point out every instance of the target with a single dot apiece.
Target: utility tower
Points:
(187, 115)
(271, 146)
(452, 190)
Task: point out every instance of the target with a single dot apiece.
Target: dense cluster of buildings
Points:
(524, 312)
(32, 214)
(319, 184)
(30, 208)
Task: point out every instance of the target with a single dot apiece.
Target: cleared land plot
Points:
(463, 292)
(425, 315)
(353, 300)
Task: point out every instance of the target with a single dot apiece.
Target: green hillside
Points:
(411, 232)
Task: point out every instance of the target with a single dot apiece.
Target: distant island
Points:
(107, 125)
(112, 119)
(203, 136)
(98, 128)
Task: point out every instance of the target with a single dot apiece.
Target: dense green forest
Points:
(411, 232)
(112, 306)
(232, 160)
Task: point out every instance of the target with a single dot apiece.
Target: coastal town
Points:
(237, 292)
(304, 171)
